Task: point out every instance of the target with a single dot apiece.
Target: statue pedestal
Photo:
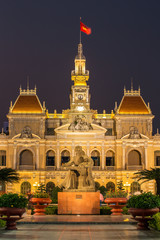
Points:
(78, 203)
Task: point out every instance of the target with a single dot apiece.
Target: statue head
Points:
(78, 150)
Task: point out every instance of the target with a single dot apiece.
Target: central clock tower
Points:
(80, 97)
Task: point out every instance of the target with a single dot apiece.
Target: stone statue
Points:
(79, 177)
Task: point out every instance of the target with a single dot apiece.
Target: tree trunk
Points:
(158, 186)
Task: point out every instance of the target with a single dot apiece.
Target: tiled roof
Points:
(27, 104)
(133, 105)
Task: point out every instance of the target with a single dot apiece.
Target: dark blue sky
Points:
(39, 38)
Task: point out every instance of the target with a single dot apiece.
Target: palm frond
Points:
(9, 175)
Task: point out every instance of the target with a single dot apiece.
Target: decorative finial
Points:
(35, 88)
(124, 90)
(55, 111)
(44, 104)
(115, 108)
(28, 83)
(20, 89)
(104, 111)
(131, 84)
(2, 131)
(157, 131)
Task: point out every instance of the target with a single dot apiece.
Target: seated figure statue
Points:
(79, 176)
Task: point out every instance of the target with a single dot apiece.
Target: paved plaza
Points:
(77, 232)
(76, 227)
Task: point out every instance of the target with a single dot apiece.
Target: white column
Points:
(145, 159)
(58, 158)
(103, 157)
(37, 156)
(88, 154)
(14, 158)
(123, 163)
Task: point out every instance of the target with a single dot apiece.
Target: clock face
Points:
(80, 96)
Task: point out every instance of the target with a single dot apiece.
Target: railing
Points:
(96, 168)
(135, 167)
(26, 167)
(105, 116)
(79, 73)
(110, 168)
(51, 168)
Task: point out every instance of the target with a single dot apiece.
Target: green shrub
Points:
(13, 200)
(102, 190)
(155, 222)
(54, 194)
(144, 201)
(41, 195)
(2, 223)
(105, 210)
(51, 210)
(125, 211)
(116, 194)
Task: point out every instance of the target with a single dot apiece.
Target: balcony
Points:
(134, 167)
(51, 168)
(26, 167)
(110, 168)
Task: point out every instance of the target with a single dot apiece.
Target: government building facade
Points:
(39, 143)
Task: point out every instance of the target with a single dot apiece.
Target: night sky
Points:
(39, 38)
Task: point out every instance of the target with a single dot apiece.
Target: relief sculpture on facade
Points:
(80, 124)
(26, 132)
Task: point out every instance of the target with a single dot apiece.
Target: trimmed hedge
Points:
(51, 210)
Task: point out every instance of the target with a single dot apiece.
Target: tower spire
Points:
(80, 32)
(27, 82)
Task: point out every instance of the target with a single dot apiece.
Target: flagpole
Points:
(80, 30)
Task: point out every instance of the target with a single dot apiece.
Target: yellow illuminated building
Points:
(39, 142)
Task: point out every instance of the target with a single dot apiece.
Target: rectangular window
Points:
(2, 160)
(109, 161)
(157, 160)
(50, 131)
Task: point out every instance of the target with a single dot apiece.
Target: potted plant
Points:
(12, 204)
(143, 207)
(40, 200)
(116, 200)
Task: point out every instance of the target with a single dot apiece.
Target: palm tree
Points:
(8, 175)
(148, 175)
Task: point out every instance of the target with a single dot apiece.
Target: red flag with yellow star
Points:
(84, 28)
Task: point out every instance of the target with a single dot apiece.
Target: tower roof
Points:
(133, 103)
(27, 102)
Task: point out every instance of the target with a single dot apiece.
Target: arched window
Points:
(2, 158)
(50, 158)
(134, 158)
(110, 186)
(26, 158)
(157, 158)
(110, 158)
(65, 156)
(49, 187)
(95, 155)
(135, 187)
(25, 187)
